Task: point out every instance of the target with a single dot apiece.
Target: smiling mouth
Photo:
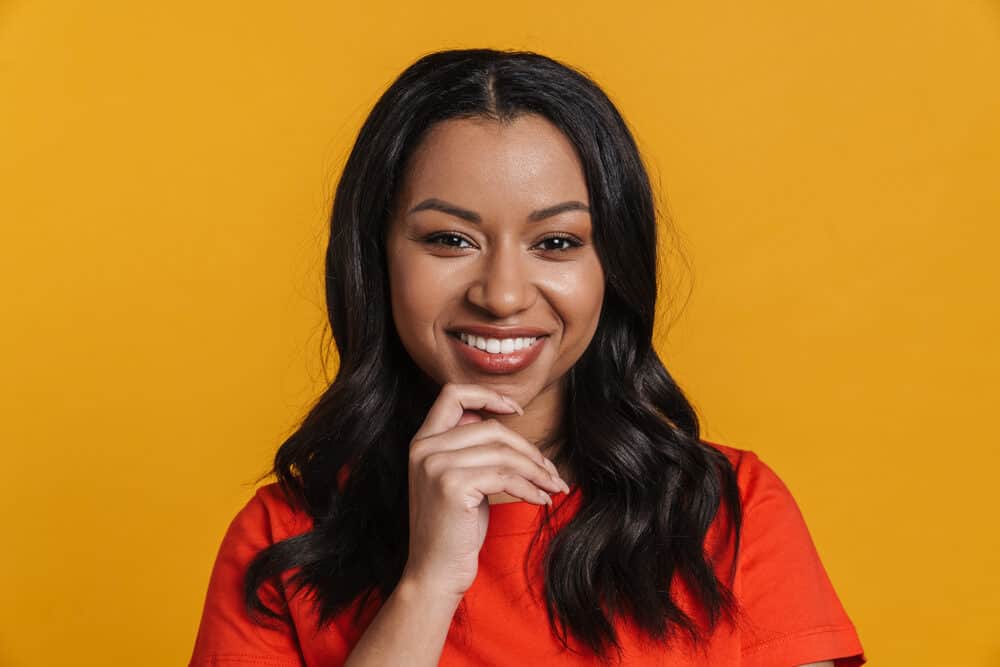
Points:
(497, 346)
(501, 356)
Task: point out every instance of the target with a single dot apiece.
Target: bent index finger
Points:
(454, 400)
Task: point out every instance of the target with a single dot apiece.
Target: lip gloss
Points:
(499, 363)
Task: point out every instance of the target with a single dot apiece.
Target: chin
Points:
(522, 392)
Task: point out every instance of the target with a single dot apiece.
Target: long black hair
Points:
(650, 487)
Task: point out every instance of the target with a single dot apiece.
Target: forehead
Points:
(527, 161)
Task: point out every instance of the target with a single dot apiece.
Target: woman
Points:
(503, 472)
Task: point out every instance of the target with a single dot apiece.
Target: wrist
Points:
(416, 589)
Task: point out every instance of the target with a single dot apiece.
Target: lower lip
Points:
(499, 363)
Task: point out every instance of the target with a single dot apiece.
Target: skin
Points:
(505, 270)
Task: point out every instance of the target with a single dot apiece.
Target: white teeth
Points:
(497, 345)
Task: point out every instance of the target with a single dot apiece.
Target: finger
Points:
(484, 432)
(452, 403)
(497, 455)
(472, 485)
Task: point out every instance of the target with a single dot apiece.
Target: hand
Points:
(456, 460)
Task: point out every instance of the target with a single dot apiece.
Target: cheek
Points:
(577, 296)
(593, 314)
(586, 296)
(416, 297)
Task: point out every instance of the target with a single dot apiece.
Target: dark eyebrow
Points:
(433, 204)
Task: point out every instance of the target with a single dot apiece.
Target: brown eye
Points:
(562, 243)
(436, 239)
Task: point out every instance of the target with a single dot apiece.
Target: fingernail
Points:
(512, 403)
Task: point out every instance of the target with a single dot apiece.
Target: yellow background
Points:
(166, 173)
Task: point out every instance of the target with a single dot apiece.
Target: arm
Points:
(409, 629)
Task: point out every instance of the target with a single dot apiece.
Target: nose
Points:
(503, 284)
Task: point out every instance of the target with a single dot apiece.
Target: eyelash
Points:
(433, 238)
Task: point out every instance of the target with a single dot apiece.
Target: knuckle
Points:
(421, 450)
(432, 463)
(450, 481)
(416, 453)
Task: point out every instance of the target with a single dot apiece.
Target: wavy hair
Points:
(650, 487)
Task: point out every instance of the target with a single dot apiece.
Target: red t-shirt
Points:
(792, 615)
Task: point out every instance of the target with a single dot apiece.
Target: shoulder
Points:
(267, 517)
(757, 481)
(768, 507)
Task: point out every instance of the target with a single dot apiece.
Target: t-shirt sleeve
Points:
(792, 615)
(226, 634)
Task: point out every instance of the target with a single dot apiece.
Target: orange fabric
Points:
(792, 614)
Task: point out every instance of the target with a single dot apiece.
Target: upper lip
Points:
(499, 332)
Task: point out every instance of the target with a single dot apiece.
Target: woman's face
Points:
(492, 230)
